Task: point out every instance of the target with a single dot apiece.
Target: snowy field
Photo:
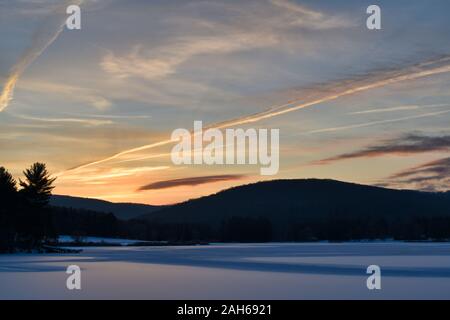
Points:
(234, 271)
(97, 240)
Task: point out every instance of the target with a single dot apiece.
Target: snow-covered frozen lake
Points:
(234, 271)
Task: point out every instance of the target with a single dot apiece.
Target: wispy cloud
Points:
(439, 168)
(165, 63)
(89, 122)
(99, 175)
(302, 16)
(111, 116)
(373, 123)
(334, 91)
(75, 93)
(398, 108)
(263, 27)
(381, 110)
(404, 145)
(431, 176)
(42, 39)
(193, 181)
(30, 7)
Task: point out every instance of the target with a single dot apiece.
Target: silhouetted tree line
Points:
(262, 229)
(246, 229)
(335, 228)
(25, 221)
(173, 232)
(78, 222)
(83, 223)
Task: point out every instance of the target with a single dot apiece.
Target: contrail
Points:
(399, 108)
(410, 74)
(372, 123)
(339, 89)
(42, 39)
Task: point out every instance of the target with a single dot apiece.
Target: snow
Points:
(116, 241)
(234, 271)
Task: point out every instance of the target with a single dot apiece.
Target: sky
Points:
(98, 105)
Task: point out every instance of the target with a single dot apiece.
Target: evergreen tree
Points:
(36, 192)
(38, 185)
(8, 201)
(7, 184)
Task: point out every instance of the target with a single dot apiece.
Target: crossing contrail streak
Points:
(372, 123)
(42, 39)
(346, 87)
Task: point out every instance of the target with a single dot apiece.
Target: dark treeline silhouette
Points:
(81, 223)
(332, 228)
(25, 220)
(246, 229)
(123, 211)
(293, 210)
(312, 209)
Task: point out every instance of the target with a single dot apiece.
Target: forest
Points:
(283, 211)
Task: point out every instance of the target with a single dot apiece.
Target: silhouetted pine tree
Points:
(36, 192)
(8, 205)
(38, 185)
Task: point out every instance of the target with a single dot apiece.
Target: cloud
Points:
(85, 95)
(88, 122)
(398, 108)
(296, 8)
(254, 27)
(372, 123)
(111, 116)
(301, 16)
(166, 60)
(30, 7)
(97, 175)
(393, 109)
(320, 94)
(439, 167)
(404, 145)
(193, 181)
(42, 39)
(432, 176)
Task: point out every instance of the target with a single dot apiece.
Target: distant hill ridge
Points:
(279, 210)
(124, 211)
(301, 198)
